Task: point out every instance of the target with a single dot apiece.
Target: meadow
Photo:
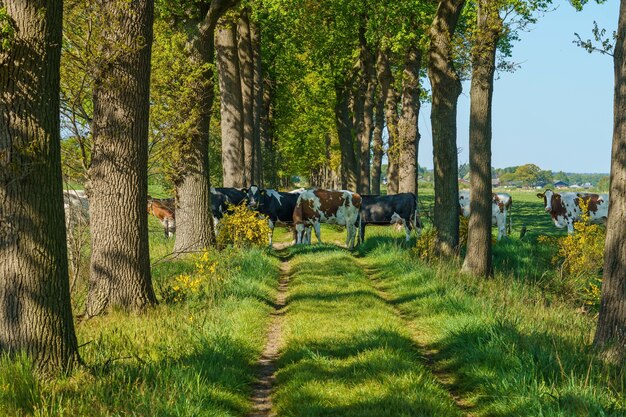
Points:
(373, 332)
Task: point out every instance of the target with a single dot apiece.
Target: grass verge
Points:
(345, 352)
(181, 359)
(508, 348)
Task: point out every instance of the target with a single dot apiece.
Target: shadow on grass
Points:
(370, 373)
(215, 377)
(510, 372)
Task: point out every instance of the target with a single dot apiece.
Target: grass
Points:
(345, 352)
(507, 348)
(187, 358)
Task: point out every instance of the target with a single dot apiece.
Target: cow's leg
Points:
(570, 226)
(407, 229)
(299, 233)
(318, 232)
(271, 232)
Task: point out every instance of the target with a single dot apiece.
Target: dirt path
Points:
(266, 366)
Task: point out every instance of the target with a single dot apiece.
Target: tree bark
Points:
(267, 139)
(408, 133)
(377, 144)
(446, 87)
(194, 220)
(231, 108)
(390, 97)
(35, 310)
(120, 259)
(365, 129)
(346, 142)
(255, 38)
(610, 335)
(478, 258)
(246, 66)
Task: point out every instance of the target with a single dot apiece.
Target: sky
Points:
(556, 110)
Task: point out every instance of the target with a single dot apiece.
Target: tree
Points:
(246, 73)
(610, 335)
(377, 144)
(35, 310)
(231, 104)
(446, 87)
(390, 97)
(408, 134)
(489, 27)
(120, 259)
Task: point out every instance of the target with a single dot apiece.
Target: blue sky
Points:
(556, 110)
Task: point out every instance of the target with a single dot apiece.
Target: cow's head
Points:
(254, 195)
(547, 197)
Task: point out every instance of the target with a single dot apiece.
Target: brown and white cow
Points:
(565, 208)
(500, 210)
(163, 209)
(327, 206)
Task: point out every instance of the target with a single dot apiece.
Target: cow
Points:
(327, 206)
(76, 206)
(389, 209)
(221, 198)
(565, 208)
(275, 205)
(501, 205)
(163, 209)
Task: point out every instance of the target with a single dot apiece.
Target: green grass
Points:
(345, 351)
(186, 359)
(509, 349)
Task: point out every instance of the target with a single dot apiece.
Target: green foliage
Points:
(242, 227)
(7, 31)
(426, 245)
(19, 387)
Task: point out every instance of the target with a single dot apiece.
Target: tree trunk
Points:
(194, 220)
(377, 144)
(35, 310)
(478, 257)
(446, 87)
(366, 123)
(390, 97)
(611, 331)
(231, 104)
(408, 133)
(344, 131)
(255, 38)
(244, 49)
(120, 259)
(270, 168)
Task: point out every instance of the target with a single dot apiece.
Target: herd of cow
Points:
(306, 209)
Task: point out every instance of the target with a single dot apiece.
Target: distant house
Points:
(587, 185)
(561, 184)
(495, 182)
(463, 181)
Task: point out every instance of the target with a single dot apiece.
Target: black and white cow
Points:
(384, 210)
(221, 198)
(277, 206)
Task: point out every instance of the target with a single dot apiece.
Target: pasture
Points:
(371, 332)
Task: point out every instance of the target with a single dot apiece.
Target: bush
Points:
(211, 269)
(426, 246)
(242, 227)
(580, 257)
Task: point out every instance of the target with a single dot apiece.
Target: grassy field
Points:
(375, 332)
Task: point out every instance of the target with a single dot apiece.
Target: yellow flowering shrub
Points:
(463, 228)
(580, 256)
(211, 268)
(426, 246)
(242, 227)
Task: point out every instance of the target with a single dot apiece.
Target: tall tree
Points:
(408, 133)
(367, 88)
(446, 87)
(390, 97)
(35, 310)
(231, 102)
(246, 73)
(120, 260)
(488, 29)
(258, 106)
(346, 141)
(194, 222)
(377, 143)
(611, 331)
